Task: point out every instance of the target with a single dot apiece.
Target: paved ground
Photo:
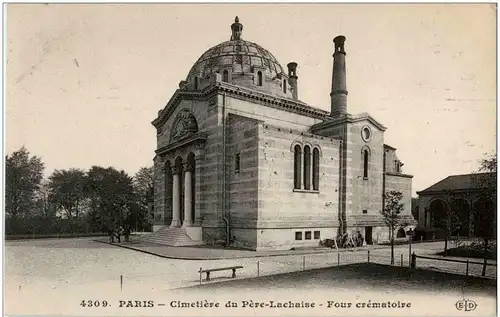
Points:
(53, 276)
(317, 256)
(217, 253)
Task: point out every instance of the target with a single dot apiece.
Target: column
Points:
(198, 197)
(471, 221)
(311, 170)
(188, 195)
(301, 169)
(176, 198)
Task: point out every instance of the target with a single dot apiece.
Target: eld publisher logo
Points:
(466, 305)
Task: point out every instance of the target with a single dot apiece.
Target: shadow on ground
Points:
(362, 277)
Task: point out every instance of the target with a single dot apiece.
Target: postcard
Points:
(258, 159)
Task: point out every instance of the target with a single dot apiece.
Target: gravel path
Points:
(44, 275)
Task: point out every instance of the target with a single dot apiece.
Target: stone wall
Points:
(390, 160)
(401, 183)
(380, 233)
(285, 238)
(282, 206)
(158, 194)
(364, 194)
(242, 181)
(269, 115)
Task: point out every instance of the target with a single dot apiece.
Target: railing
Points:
(484, 264)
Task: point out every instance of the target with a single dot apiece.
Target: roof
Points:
(455, 182)
(347, 118)
(244, 54)
(237, 54)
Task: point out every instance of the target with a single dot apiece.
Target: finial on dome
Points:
(236, 29)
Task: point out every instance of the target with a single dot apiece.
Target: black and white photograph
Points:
(256, 159)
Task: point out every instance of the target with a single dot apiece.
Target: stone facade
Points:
(241, 161)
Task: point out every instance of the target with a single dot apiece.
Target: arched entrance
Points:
(401, 233)
(437, 209)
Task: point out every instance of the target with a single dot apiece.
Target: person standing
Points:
(111, 235)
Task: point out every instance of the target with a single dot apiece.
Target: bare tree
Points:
(451, 221)
(391, 215)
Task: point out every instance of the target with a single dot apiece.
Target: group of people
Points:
(356, 240)
(118, 232)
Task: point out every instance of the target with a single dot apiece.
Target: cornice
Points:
(453, 192)
(242, 94)
(197, 138)
(399, 174)
(271, 101)
(178, 95)
(348, 118)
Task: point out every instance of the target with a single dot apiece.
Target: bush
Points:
(429, 234)
(41, 225)
(329, 243)
(52, 236)
(478, 246)
(473, 250)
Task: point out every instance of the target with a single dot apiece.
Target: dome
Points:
(240, 53)
(242, 63)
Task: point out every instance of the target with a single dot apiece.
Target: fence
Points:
(467, 268)
(295, 263)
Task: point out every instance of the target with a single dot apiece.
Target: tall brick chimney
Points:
(292, 79)
(339, 90)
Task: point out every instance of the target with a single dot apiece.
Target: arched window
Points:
(237, 163)
(316, 169)
(259, 78)
(225, 76)
(365, 163)
(195, 83)
(284, 86)
(307, 167)
(297, 154)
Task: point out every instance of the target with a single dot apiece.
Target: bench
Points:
(233, 268)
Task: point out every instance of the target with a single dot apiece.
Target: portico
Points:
(182, 171)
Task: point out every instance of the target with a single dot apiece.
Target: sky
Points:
(84, 81)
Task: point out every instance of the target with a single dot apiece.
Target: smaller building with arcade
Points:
(463, 197)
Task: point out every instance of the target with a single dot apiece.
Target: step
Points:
(170, 237)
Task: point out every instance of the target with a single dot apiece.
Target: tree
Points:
(144, 188)
(391, 215)
(112, 196)
(143, 182)
(485, 179)
(44, 200)
(67, 189)
(23, 175)
(451, 220)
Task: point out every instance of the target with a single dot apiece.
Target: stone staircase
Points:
(174, 237)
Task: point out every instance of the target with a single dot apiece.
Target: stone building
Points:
(241, 159)
(466, 197)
